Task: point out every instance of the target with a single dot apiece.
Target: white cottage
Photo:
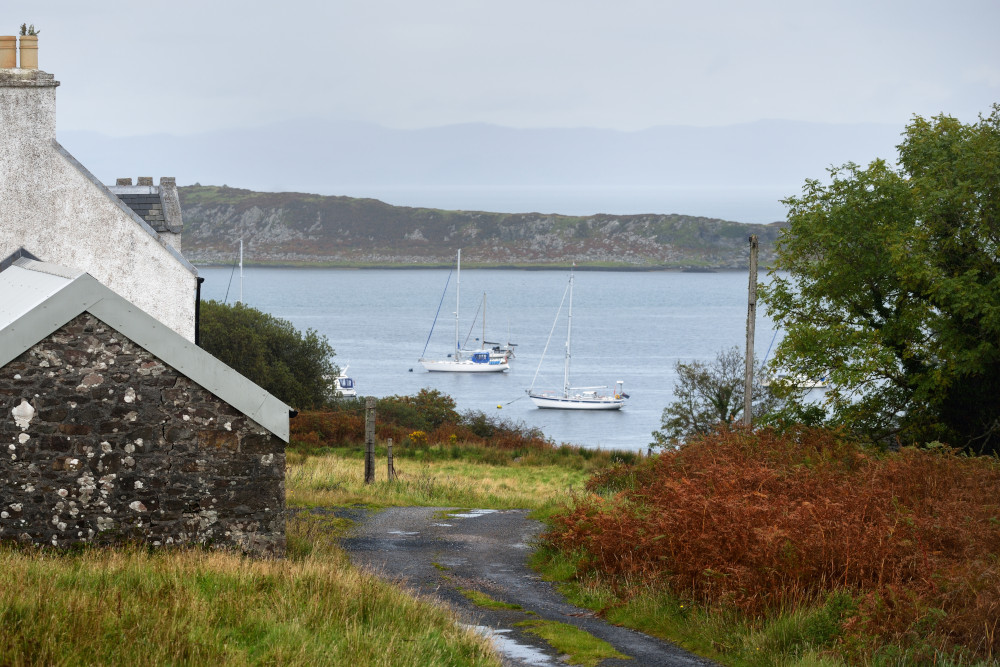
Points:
(53, 209)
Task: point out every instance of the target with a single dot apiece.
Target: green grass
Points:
(332, 480)
(136, 607)
(582, 647)
(483, 600)
(798, 638)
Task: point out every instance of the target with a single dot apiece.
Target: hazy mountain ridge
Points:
(738, 172)
(296, 228)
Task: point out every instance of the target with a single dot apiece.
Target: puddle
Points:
(401, 532)
(443, 525)
(471, 514)
(525, 654)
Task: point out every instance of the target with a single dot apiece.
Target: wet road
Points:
(437, 551)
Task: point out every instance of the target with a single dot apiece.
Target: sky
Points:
(184, 67)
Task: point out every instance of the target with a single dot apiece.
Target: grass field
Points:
(135, 607)
(339, 480)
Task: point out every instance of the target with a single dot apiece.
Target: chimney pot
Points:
(28, 46)
(168, 180)
(8, 52)
(145, 180)
(123, 181)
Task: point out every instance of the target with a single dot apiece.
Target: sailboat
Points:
(464, 361)
(575, 398)
(345, 384)
(498, 351)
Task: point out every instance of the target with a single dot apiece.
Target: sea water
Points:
(630, 326)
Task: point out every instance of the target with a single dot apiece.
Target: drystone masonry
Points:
(102, 443)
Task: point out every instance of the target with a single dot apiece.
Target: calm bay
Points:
(630, 326)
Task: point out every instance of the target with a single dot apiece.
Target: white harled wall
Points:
(54, 208)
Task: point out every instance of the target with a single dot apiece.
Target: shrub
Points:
(296, 367)
(342, 424)
(762, 521)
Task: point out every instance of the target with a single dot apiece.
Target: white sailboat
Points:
(464, 361)
(498, 351)
(575, 398)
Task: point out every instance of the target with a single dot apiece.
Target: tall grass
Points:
(441, 458)
(135, 607)
(765, 523)
(338, 479)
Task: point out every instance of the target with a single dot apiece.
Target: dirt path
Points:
(437, 551)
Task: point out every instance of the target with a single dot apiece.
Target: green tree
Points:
(711, 395)
(297, 368)
(893, 285)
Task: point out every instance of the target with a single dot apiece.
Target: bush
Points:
(429, 412)
(762, 521)
(297, 368)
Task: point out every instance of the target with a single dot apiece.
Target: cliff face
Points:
(295, 228)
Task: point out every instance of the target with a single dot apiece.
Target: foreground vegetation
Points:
(753, 548)
(767, 548)
(136, 607)
(441, 458)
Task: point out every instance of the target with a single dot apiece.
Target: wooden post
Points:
(391, 472)
(751, 320)
(369, 439)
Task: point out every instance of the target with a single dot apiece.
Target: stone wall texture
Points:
(102, 443)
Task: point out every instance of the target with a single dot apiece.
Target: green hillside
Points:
(290, 228)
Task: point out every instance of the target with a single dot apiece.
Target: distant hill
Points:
(737, 172)
(290, 228)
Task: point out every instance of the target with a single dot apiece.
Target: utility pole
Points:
(751, 320)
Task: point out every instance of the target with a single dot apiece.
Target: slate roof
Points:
(148, 201)
(40, 297)
(147, 207)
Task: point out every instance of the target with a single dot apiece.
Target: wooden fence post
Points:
(391, 472)
(369, 440)
(751, 321)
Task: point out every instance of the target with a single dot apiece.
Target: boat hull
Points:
(557, 402)
(447, 366)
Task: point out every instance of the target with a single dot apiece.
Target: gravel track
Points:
(436, 551)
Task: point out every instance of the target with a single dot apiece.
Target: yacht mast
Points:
(241, 270)
(458, 291)
(569, 330)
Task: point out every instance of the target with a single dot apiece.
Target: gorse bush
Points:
(908, 542)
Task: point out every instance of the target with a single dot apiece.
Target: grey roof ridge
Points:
(47, 267)
(86, 294)
(122, 205)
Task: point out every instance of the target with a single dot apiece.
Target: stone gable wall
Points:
(102, 443)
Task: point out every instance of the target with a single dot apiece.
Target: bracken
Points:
(765, 521)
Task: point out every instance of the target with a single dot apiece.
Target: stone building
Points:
(117, 428)
(114, 425)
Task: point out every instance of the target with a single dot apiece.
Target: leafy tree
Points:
(710, 395)
(297, 368)
(893, 286)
